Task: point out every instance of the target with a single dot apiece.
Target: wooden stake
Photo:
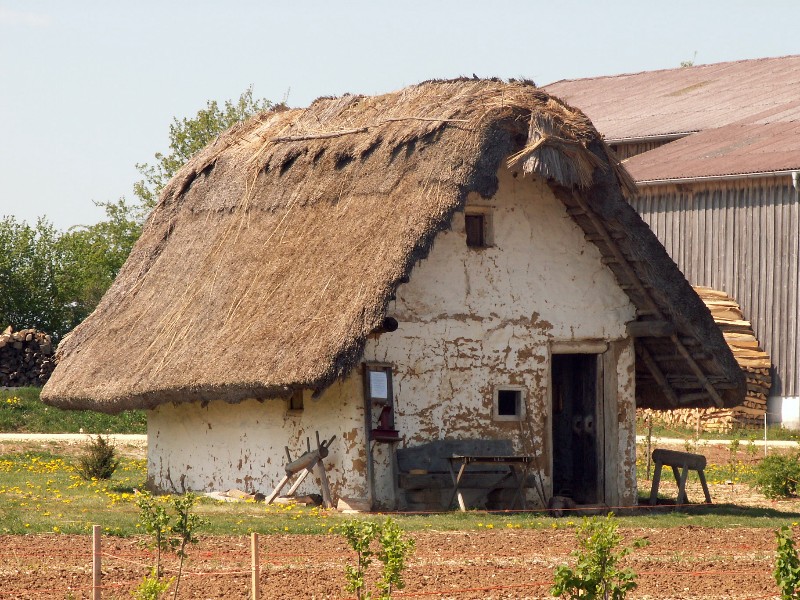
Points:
(255, 567)
(277, 490)
(97, 573)
(327, 501)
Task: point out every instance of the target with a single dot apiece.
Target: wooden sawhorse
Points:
(685, 461)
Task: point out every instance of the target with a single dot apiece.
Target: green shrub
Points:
(100, 460)
(168, 532)
(787, 565)
(395, 548)
(596, 575)
(151, 587)
(777, 476)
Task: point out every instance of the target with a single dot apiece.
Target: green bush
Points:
(395, 548)
(787, 565)
(100, 460)
(597, 575)
(777, 476)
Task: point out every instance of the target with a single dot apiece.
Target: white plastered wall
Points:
(473, 319)
(220, 446)
(470, 320)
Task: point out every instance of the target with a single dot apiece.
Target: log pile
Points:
(754, 361)
(26, 358)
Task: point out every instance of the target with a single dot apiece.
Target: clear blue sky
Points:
(89, 88)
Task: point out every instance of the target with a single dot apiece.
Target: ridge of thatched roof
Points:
(274, 252)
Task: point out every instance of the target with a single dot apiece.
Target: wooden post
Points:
(97, 573)
(649, 422)
(327, 501)
(255, 567)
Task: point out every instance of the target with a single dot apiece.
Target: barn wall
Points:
(740, 237)
(222, 446)
(473, 319)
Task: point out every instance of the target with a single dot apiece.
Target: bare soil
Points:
(682, 563)
(687, 562)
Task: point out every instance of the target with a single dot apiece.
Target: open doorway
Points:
(577, 428)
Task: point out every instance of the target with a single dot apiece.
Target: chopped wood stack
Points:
(26, 358)
(753, 360)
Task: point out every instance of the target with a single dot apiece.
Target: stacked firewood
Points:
(753, 360)
(26, 357)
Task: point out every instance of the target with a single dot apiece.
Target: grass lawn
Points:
(21, 411)
(40, 492)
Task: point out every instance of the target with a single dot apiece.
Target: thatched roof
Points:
(275, 251)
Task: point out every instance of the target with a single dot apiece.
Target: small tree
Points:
(394, 551)
(359, 534)
(787, 565)
(395, 548)
(155, 520)
(184, 527)
(169, 532)
(100, 460)
(596, 575)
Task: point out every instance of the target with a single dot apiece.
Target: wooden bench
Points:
(427, 468)
(681, 463)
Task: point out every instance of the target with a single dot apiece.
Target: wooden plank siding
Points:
(741, 237)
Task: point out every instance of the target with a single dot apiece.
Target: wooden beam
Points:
(619, 256)
(698, 371)
(657, 374)
(637, 329)
(678, 357)
(693, 397)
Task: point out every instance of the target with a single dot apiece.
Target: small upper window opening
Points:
(296, 400)
(478, 226)
(476, 230)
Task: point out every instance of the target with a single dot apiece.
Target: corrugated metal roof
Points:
(725, 151)
(690, 99)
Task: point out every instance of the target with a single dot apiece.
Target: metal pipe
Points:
(760, 174)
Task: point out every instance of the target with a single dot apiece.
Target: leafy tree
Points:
(93, 255)
(29, 266)
(53, 280)
(189, 136)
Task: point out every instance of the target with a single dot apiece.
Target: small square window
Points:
(509, 404)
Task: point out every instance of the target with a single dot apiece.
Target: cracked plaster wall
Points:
(469, 320)
(474, 319)
(222, 446)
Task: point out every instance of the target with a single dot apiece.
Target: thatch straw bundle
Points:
(274, 252)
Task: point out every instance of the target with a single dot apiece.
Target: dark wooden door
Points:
(575, 420)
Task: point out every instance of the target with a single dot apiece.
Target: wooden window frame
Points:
(520, 391)
(485, 238)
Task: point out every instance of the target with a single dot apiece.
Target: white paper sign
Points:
(379, 385)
